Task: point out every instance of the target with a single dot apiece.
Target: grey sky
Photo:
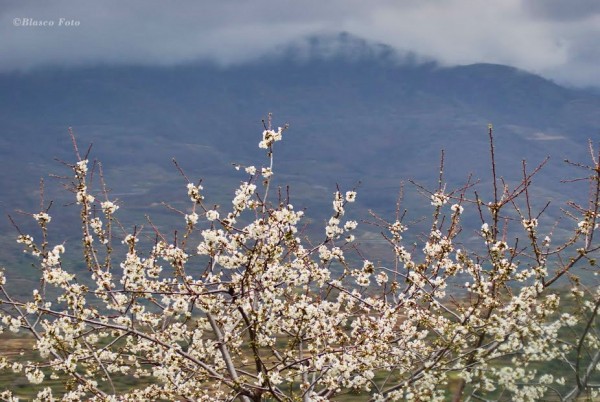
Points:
(559, 39)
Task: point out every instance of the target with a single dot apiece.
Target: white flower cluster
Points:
(458, 209)
(57, 276)
(83, 197)
(13, 323)
(42, 218)
(350, 196)
(243, 195)
(585, 226)
(396, 230)
(27, 240)
(438, 199)
(191, 219)
(266, 172)
(81, 169)
(248, 307)
(174, 254)
(332, 230)
(30, 246)
(52, 259)
(270, 137)
(194, 193)
(109, 208)
(212, 215)
(96, 225)
(530, 225)
(34, 375)
(338, 203)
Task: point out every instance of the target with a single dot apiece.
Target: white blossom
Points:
(42, 218)
(253, 303)
(438, 199)
(266, 172)
(191, 219)
(108, 207)
(194, 193)
(459, 209)
(212, 215)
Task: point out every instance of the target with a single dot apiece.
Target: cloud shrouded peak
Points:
(536, 35)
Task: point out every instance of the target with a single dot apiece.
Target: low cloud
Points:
(541, 36)
(540, 136)
(561, 10)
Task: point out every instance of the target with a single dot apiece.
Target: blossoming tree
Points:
(242, 306)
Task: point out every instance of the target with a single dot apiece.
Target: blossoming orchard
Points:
(241, 305)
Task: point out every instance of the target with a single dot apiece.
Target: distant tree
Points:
(241, 305)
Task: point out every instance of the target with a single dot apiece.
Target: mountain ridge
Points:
(367, 120)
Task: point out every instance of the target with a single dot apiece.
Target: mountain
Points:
(370, 118)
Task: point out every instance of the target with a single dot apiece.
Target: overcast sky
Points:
(559, 39)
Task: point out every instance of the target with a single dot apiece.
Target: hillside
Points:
(366, 119)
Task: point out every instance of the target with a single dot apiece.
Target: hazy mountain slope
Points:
(366, 119)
